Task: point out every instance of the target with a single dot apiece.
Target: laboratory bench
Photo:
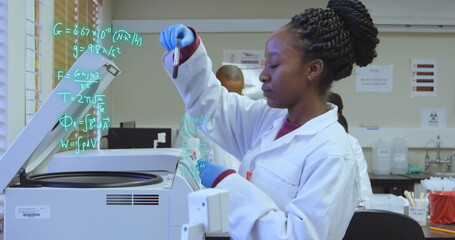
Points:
(435, 235)
(429, 234)
(395, 184)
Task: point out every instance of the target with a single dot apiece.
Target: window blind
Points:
(75, 15)
(3, 72)
(33, 54)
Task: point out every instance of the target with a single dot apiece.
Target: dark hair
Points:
(340, 35)
(336, 99)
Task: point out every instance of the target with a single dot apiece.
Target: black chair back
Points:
(382, 225)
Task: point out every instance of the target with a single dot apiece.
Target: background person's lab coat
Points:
(364, 180)
(303, 184)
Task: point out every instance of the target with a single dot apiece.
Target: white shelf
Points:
(415, 137)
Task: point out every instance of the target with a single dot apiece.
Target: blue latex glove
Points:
(168, 37)
(209, 171)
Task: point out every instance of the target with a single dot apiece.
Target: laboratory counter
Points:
(429, 234)
(434, 235)
(395, 184)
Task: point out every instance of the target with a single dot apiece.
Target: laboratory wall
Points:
(145, 93)
(398, 108)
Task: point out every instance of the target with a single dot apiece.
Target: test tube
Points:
(175, 71)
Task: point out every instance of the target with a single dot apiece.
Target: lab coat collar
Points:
(314, 125)
(268, 142)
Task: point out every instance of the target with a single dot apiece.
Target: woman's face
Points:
(285, 75)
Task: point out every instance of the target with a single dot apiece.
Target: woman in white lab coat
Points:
(298, 176)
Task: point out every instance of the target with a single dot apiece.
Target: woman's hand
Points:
(168, 37)
(209, 171)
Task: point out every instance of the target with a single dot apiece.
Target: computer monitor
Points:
(139, 138)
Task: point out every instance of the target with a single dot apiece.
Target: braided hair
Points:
(340, 35)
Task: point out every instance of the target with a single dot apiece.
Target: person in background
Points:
(230, 77)
(365, 184)
(298, 176)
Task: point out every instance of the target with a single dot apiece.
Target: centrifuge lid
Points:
(95, 179)
(40, 139)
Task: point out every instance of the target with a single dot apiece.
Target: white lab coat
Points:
(304, 184)
(364, 180)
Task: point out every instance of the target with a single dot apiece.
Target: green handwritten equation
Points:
(87, 123)
(101, 121)
(117, 36)
(80, 144)
(82, 77)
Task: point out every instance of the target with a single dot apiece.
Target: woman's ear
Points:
(316, 67)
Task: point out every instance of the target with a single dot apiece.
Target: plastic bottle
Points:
(381, 158)
(399, 163)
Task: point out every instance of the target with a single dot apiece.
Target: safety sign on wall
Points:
(423, 77)
(433, 118)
